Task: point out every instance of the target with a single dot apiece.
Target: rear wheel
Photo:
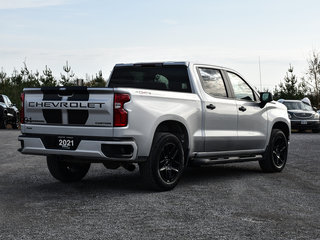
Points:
(163, 169)
(275, 157)
(66, 171)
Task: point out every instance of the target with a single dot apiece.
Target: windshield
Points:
(298, 106)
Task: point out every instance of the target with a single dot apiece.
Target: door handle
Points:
(242, 108)
(211, 106)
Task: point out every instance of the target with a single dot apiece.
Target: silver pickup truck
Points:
(161, 116)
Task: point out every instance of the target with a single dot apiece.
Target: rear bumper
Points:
(94, 149)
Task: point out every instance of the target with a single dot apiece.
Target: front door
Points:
(252, 119)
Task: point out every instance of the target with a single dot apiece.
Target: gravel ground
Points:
(234, 201)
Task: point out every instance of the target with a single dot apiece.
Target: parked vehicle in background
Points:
(162, 116)
(302, 115)
(9, 113)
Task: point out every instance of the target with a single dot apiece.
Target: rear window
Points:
(168, 78)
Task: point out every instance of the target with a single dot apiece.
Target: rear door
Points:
(252, 119)
(220, 112)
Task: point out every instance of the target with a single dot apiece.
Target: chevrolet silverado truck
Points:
(160, 116)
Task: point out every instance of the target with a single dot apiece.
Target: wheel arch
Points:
(179, 130)
(283, 127)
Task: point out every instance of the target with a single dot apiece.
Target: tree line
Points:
(307, 86)
(291, 87)
(13, 85)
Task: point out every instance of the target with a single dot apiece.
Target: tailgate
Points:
(78, 106)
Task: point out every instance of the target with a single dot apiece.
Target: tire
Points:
(315, 130)
(164, 167)
(66, 171)
(275, 157)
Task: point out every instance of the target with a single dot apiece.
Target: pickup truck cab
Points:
(162, 116)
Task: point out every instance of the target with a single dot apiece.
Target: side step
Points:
(223, 160)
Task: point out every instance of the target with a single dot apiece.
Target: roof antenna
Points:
(260, 75)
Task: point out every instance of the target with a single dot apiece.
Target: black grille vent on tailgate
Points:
(54, 116)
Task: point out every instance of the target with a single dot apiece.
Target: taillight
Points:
(120, 115)
(22, 108)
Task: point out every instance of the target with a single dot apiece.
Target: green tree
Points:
(98, 81)
(67, 79)
(289, 89)
(47, 79)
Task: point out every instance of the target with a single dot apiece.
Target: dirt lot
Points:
(234, 201)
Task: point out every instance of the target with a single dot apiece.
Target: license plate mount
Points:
(66, 142)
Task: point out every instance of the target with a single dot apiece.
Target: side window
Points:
(1, 99)
(212, 82)
(240, 88)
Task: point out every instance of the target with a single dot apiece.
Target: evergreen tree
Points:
(98, 81)
(289, 89)
(47, 79)
(304, 88)
(67, 79)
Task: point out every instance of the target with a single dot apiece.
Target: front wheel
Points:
(66, 171)
(163, 169)
(275, 157)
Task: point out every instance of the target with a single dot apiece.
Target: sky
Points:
(94, 35)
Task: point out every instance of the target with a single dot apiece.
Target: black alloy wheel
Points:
(170, 162)
(279, 151)
(275, 157)
(164, 167)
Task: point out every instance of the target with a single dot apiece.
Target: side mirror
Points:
(265, 97)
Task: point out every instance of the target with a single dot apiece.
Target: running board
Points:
(206, 161)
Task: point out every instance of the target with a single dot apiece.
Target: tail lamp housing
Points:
(22, 108)
(120, 115)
